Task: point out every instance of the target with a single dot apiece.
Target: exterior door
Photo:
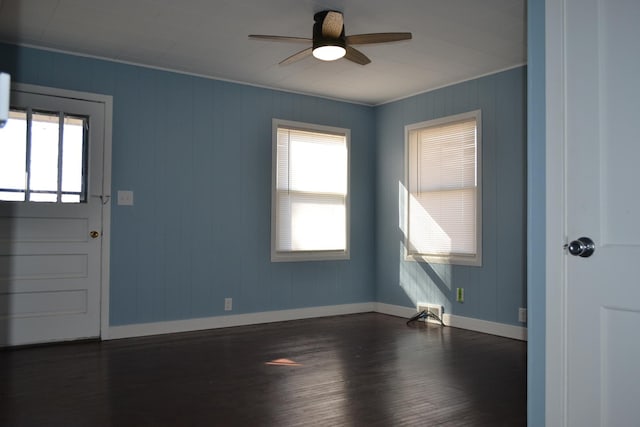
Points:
(593, 158)
(51, 237)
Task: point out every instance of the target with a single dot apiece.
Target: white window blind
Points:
(444, 189)
(311, 193)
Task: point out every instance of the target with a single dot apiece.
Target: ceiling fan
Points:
(329, 41)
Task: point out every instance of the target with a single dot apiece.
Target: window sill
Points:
(309, 256)
(471, 261)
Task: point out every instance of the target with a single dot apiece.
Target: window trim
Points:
(313, 255)
(451, 259)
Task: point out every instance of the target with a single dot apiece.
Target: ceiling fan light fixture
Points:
(329, 52)
(329, 42)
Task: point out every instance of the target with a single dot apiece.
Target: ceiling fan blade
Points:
(332, 25)
(279, 38)
(377, 38)
(297, 56)
(356, 56)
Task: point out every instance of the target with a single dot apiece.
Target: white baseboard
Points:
(395, 310)
(187, 325)
(157, 328)
(493, 328)
(484, 326)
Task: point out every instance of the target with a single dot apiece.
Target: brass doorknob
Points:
(94, 234)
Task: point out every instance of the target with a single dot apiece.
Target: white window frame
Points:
(307, 255)
(450, 258)
(59, 192)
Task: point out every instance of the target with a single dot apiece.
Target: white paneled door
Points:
(51, 259)
(593, 156)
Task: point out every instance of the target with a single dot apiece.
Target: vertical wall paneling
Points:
(197, 154)
(494, 291)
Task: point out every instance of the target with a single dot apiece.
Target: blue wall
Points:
(495, 291)
(197, 154)
(536, 214)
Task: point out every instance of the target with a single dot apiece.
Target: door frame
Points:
(556, 274)
(107, 102)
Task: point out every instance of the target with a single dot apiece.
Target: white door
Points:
(593, 158)
(50, 251)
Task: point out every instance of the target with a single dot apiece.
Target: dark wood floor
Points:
(359, 370)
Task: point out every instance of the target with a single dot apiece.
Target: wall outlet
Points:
(228, 304)
(460, 294)
(522, 315)
(125, 198)
(436, 309)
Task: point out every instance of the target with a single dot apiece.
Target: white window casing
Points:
(310, 192)
(444, 188)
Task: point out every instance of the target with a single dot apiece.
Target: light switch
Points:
(125, 198)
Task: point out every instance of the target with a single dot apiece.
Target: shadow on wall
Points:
(421, 282)
(425, 283)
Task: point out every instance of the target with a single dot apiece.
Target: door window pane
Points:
(43, 161)
(72, 155)
(42, 197)
(13, 156)
(43, 157)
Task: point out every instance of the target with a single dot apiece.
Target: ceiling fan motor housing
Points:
(321, 39)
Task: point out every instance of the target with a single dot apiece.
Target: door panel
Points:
(55, 303)
(620, 375)
(29, 230)
(50, 266)
(598, 377)
(47, 266)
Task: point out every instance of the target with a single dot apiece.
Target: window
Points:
(444, 186)
(310, 196)
(43, 157)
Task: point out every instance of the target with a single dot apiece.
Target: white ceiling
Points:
(453, 40)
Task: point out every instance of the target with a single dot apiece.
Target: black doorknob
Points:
(582, 247)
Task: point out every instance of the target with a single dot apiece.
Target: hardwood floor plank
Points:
(366, 369)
